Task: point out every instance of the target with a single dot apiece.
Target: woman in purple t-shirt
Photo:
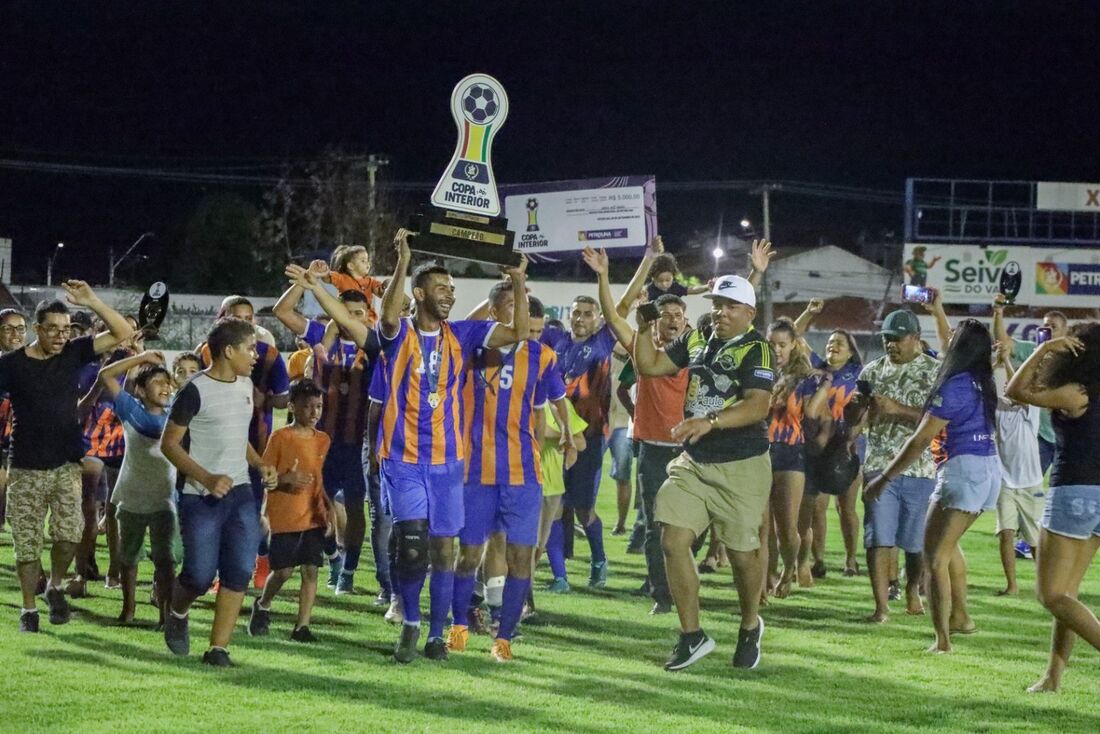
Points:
(959, 422)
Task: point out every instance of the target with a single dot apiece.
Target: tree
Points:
(323, 204)
(220, 254)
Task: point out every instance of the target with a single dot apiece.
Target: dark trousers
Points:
(652, 472)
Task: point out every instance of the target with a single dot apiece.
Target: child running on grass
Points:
(298, 512)
(143, 495)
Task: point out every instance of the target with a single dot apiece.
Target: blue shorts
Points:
(509, 508)
(343, 473)
(220, 537)
(787, 457)
(622, 455)
(431, 492)
(898, 517)
(582, 480)
(1073, 511)
(968, 483)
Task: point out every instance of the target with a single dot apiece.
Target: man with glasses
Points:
(41, 380)
(900, 383)
(13, 334)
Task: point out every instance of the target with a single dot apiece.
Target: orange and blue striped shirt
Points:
(785, 423)
(345, 378)
(586, 369)
(502, 395)
(413, 431)
(102, 431)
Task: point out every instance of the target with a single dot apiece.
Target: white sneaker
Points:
(396, 613)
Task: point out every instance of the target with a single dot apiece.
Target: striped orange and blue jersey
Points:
(412, 430)
(785, 421)
(269, 375)
(842, 389)
(586, 369)
(102, 432)
(503, 392)
(345, 378)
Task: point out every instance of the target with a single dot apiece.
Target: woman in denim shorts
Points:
(959, 421)
(1063, 375)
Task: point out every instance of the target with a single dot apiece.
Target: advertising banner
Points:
(1060, 278)
(968, 273)
(1070, 197)
(554, 221)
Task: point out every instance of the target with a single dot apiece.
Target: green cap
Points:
(900, 323)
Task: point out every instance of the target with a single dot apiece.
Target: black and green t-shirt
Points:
(720, 373)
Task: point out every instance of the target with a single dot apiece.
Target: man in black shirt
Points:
(46, 448)
(723, 478)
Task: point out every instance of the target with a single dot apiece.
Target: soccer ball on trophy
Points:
(480, 104)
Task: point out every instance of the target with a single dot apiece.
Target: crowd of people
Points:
(473, 448)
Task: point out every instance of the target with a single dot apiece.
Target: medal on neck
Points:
(432, 377)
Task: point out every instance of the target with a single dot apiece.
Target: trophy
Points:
(1011, 280)
(153, 309)
(463, 220)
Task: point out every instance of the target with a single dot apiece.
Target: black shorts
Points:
(788, 457)
(289, 550)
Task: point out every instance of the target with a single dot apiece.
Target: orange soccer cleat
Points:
(457, 638)
(502, 651)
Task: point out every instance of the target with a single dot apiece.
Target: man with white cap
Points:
(723, 478)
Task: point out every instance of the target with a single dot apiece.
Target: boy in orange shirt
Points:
(297, 511)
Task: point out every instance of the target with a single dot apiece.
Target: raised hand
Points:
(761, 255)
(815, 306)
(301, 277)
(597, 260)
(319, 268)
(79, 293)
(657, 245)
(517, 271)
(401, 243)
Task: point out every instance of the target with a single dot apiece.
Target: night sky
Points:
(856, 93)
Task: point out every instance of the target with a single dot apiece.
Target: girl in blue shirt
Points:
(959, 421)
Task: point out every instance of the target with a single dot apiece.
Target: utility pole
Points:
(374, 162)
(112, 263)
(765, 288)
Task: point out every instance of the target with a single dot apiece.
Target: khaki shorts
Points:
(732, 496)
(1021, 510)
(33, 492)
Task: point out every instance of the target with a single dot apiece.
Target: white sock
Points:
(412, 624)
(28, 611)
(494, 591)
(177, 615)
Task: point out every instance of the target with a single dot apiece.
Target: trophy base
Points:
(463, 236)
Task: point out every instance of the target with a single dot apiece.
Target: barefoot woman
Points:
(1063, 375)
(959, 420)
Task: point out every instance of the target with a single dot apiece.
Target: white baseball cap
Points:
(735, 288)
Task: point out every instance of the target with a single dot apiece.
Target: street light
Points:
(112, 263)
(746, 224)
(718, 253)
(49, 263)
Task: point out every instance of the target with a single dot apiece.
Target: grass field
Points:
(593, 665)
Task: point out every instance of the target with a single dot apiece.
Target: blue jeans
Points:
(381, 527)
(219, 538)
